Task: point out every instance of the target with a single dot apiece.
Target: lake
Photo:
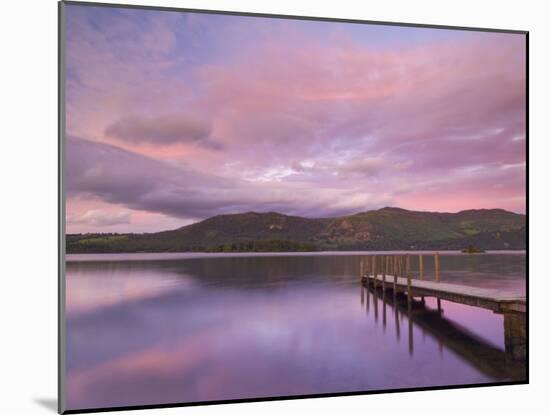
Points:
(146, 329)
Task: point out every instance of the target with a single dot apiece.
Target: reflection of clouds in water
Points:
(229, 328)
(239, 352)
(247, 344)
(129, 378)
(84, 293)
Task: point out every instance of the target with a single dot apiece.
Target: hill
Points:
(384, 229)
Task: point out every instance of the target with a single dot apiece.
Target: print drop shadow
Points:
(48, 403)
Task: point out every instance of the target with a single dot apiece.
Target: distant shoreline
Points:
(144, 256)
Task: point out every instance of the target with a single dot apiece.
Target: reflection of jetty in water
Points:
(488, 359)
(394, 272)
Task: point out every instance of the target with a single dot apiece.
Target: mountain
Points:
(383, 229)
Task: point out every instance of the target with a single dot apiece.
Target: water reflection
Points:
(494, 362)
(143, 331)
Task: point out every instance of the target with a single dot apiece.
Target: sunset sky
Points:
(175, 117)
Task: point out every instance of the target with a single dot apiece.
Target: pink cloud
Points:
(366, 122)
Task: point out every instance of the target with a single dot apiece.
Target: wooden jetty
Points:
(394, 274)
(496, 300)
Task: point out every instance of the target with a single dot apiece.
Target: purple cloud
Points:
(117, 176)
(159, 130)
(190, 116)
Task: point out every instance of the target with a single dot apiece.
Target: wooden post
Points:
(383, 266)
(395, 274)
(421, 267)
(397, 266)
(400, 266)
(408, 271)
(409, 293)
(436, 263)
(388, 264)
(374, 270)
(361, 268)
(515, 335)
(367, 269)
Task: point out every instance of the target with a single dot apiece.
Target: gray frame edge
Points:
(61, 407)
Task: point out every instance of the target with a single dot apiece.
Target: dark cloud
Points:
(162, 129)
(117, 176)
(139, 182)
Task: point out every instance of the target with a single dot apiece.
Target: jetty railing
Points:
(396, 266)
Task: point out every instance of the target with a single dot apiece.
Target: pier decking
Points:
(499, 301)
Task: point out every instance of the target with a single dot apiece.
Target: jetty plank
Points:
(496, 300)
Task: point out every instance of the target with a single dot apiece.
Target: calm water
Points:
(166, 328)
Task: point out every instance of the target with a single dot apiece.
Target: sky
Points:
(175, 117)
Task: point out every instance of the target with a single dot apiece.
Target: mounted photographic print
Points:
(258, 207)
